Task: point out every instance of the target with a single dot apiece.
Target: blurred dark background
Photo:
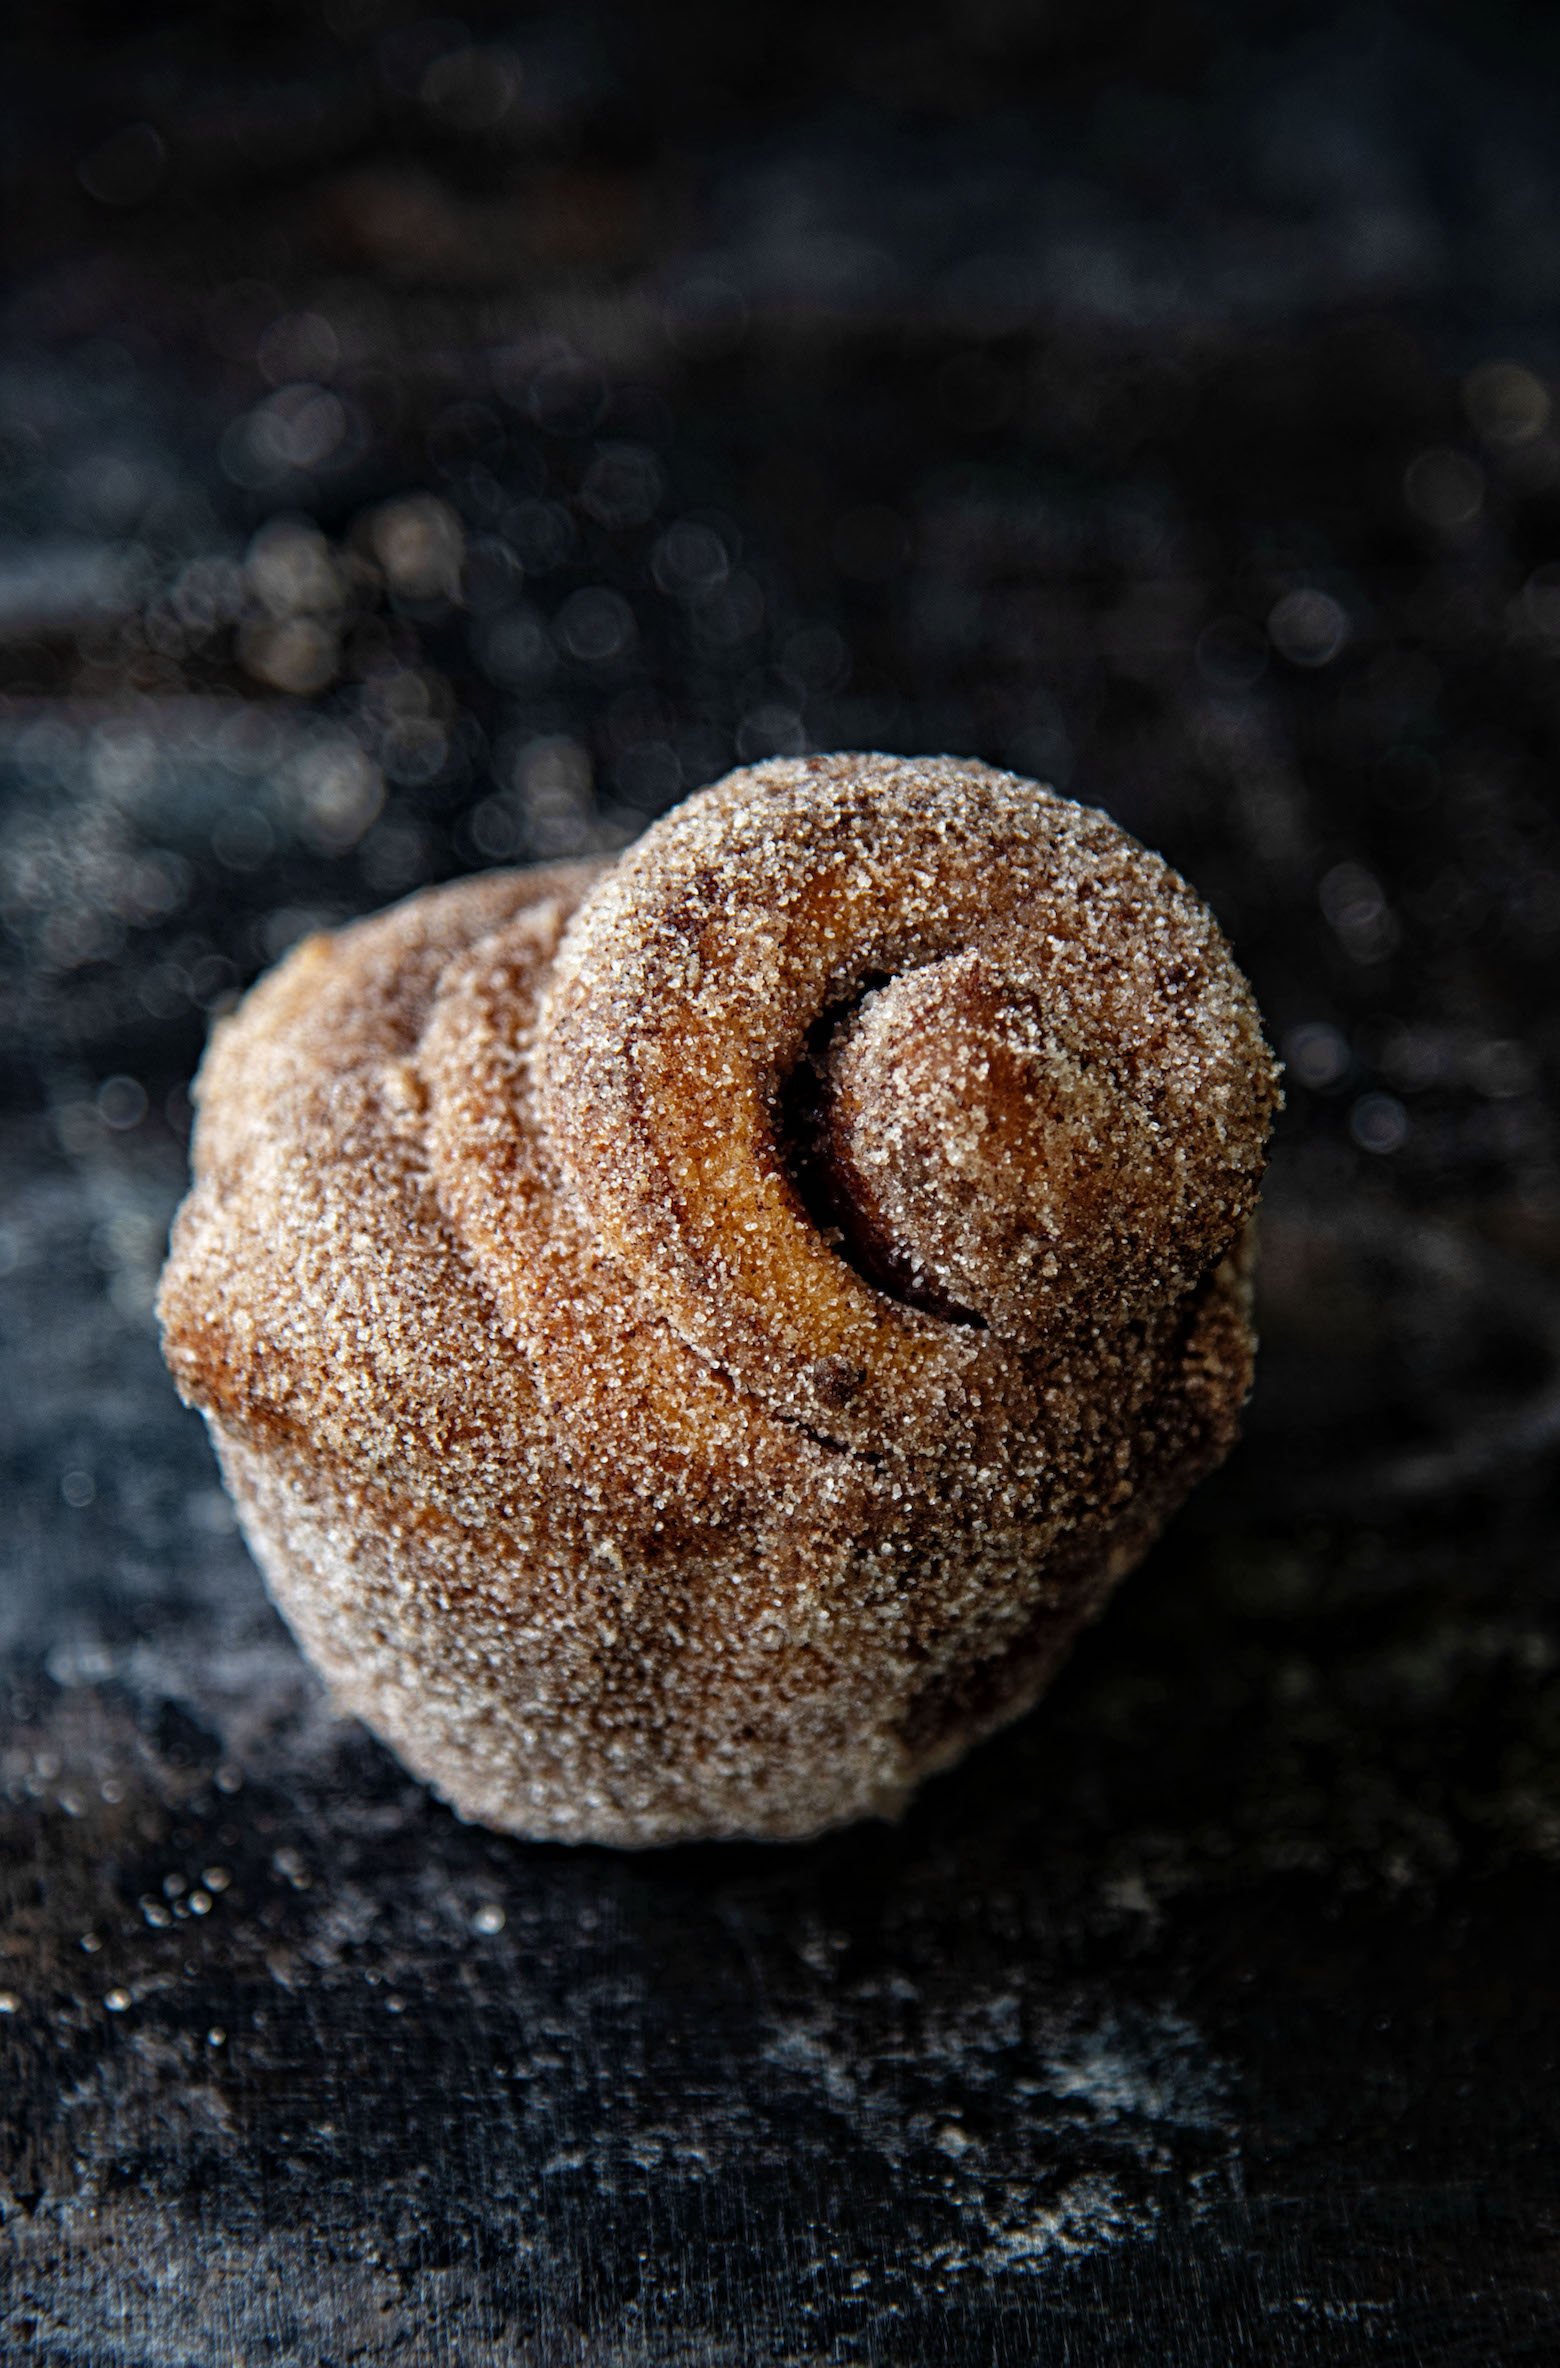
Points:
(432, 442)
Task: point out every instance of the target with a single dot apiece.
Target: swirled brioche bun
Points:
(691, 1341)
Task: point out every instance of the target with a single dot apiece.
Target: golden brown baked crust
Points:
(691, 1341)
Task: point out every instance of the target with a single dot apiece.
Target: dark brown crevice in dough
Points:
(869, 1457)
(809, 1148)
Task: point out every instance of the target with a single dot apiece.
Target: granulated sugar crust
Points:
(627, 1494)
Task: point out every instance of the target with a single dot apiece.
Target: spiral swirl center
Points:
(981, 1163)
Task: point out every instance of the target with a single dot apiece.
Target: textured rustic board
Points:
(1210, 2009)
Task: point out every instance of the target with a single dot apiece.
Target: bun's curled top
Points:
(1040, 1093)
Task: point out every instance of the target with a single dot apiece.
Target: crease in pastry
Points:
(692, 1340)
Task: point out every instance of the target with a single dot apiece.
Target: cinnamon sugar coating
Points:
(692, 1341)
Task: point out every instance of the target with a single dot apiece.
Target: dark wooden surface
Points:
(1211, 2012)
(1022, 379)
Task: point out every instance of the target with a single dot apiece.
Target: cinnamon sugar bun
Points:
(692, 1340)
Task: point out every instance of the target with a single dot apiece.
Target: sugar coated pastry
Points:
(692, 1340)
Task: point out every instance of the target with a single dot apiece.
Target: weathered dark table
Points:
(1159, 412)
(1209, 2013)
